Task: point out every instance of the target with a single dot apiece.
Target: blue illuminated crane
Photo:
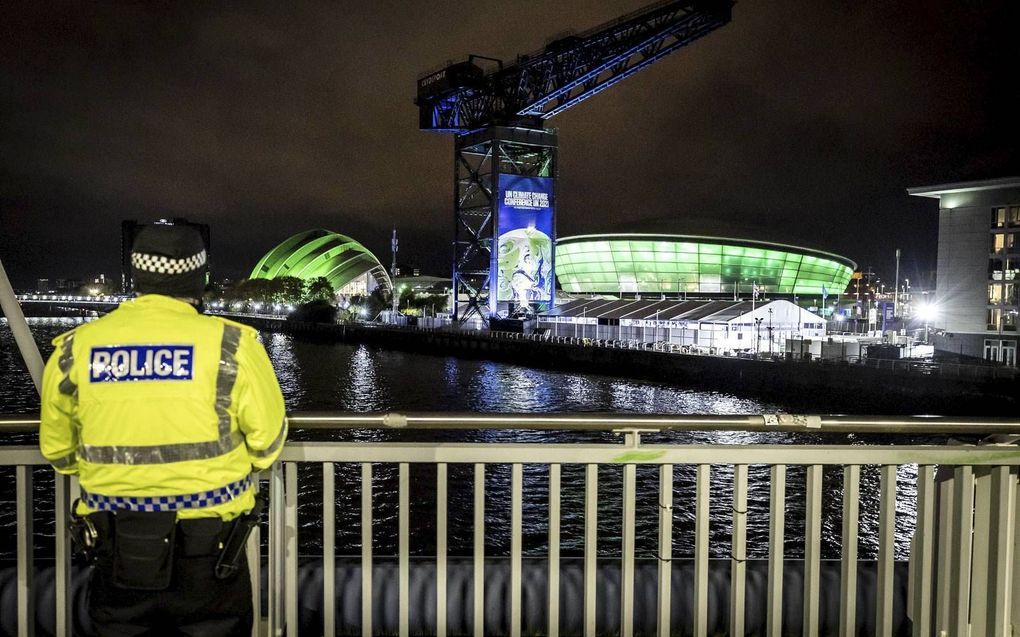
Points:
(496, 114)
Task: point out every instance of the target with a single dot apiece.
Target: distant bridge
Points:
(73, 301)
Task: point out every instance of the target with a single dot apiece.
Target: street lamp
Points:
(928, 313)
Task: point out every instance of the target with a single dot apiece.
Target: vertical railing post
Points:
(848, 557)
(64, 620)
(886, 549)
(946, 485)
(962, 545)
(665, 550)
(516, 549)
(923, 557)
(1001, 545)
(259, 626)
(26, 560)
(701, 546)
(738, 550)
(627, 548)
(812, 550)
(591, 528)
(404, 548)
(277, 553)
(1014, 579)
(553, 629)
(981, 539)
(848, 566)
(328, 549)
(366, 549)
(777, 544)
(479, 551)
(441, 535)
(291, 547)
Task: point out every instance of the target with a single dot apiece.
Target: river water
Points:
(338, 377)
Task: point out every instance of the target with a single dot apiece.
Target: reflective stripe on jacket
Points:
(157, 403)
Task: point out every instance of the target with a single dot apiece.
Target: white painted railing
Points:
(964, 572)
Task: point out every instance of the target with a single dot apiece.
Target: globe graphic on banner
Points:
(525, 265)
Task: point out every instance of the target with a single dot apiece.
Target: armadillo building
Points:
(704, 266)
(350, 267)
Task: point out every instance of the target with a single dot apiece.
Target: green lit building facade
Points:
(696, 265)
(350, 267)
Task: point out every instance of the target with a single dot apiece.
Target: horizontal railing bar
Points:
(595, 421)
(536, 453)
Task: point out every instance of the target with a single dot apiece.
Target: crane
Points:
(505, 160)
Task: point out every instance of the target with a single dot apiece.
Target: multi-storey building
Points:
(976, 312)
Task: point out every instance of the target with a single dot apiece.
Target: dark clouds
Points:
(267, 119)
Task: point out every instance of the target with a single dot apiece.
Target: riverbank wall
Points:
(842, 387)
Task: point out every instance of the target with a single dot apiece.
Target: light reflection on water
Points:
(335, 377)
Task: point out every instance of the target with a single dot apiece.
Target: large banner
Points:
(523, 259)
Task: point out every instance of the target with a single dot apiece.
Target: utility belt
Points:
(138, 548)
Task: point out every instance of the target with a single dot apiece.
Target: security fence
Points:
(963, 575)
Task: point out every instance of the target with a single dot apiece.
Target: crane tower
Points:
(505, 160)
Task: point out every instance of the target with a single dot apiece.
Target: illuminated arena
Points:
(349, 266)
(701, 265)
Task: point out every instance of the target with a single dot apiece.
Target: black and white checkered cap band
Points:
(166, 265)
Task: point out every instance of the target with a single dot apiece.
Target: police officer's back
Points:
(163, 414)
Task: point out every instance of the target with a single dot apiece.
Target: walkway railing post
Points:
(664, 623)
(277, 525)
(26, 559)
(290, 547)
(848, 565)
(923, 553)
(591, 527)
(777, 547)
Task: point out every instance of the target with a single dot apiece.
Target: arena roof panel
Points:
(664, 264)
(321, 253)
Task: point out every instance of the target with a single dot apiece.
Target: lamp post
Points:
(928, 313)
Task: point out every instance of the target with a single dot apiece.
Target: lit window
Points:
(994, 318)
(995, 293)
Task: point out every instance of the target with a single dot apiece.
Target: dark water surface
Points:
(337, 377)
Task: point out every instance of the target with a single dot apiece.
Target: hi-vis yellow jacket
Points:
(156, 407)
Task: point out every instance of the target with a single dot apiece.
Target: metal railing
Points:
(964, 567)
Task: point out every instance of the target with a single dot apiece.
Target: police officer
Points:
(164, 415)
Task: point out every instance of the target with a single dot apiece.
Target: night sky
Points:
(805, 118)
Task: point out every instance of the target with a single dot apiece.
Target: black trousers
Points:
(196, 603)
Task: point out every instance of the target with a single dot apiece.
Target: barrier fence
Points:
(964, 571)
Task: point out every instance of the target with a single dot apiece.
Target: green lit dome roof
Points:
(656, 264)
(316, 253)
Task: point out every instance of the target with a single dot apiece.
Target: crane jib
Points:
(462, 97)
